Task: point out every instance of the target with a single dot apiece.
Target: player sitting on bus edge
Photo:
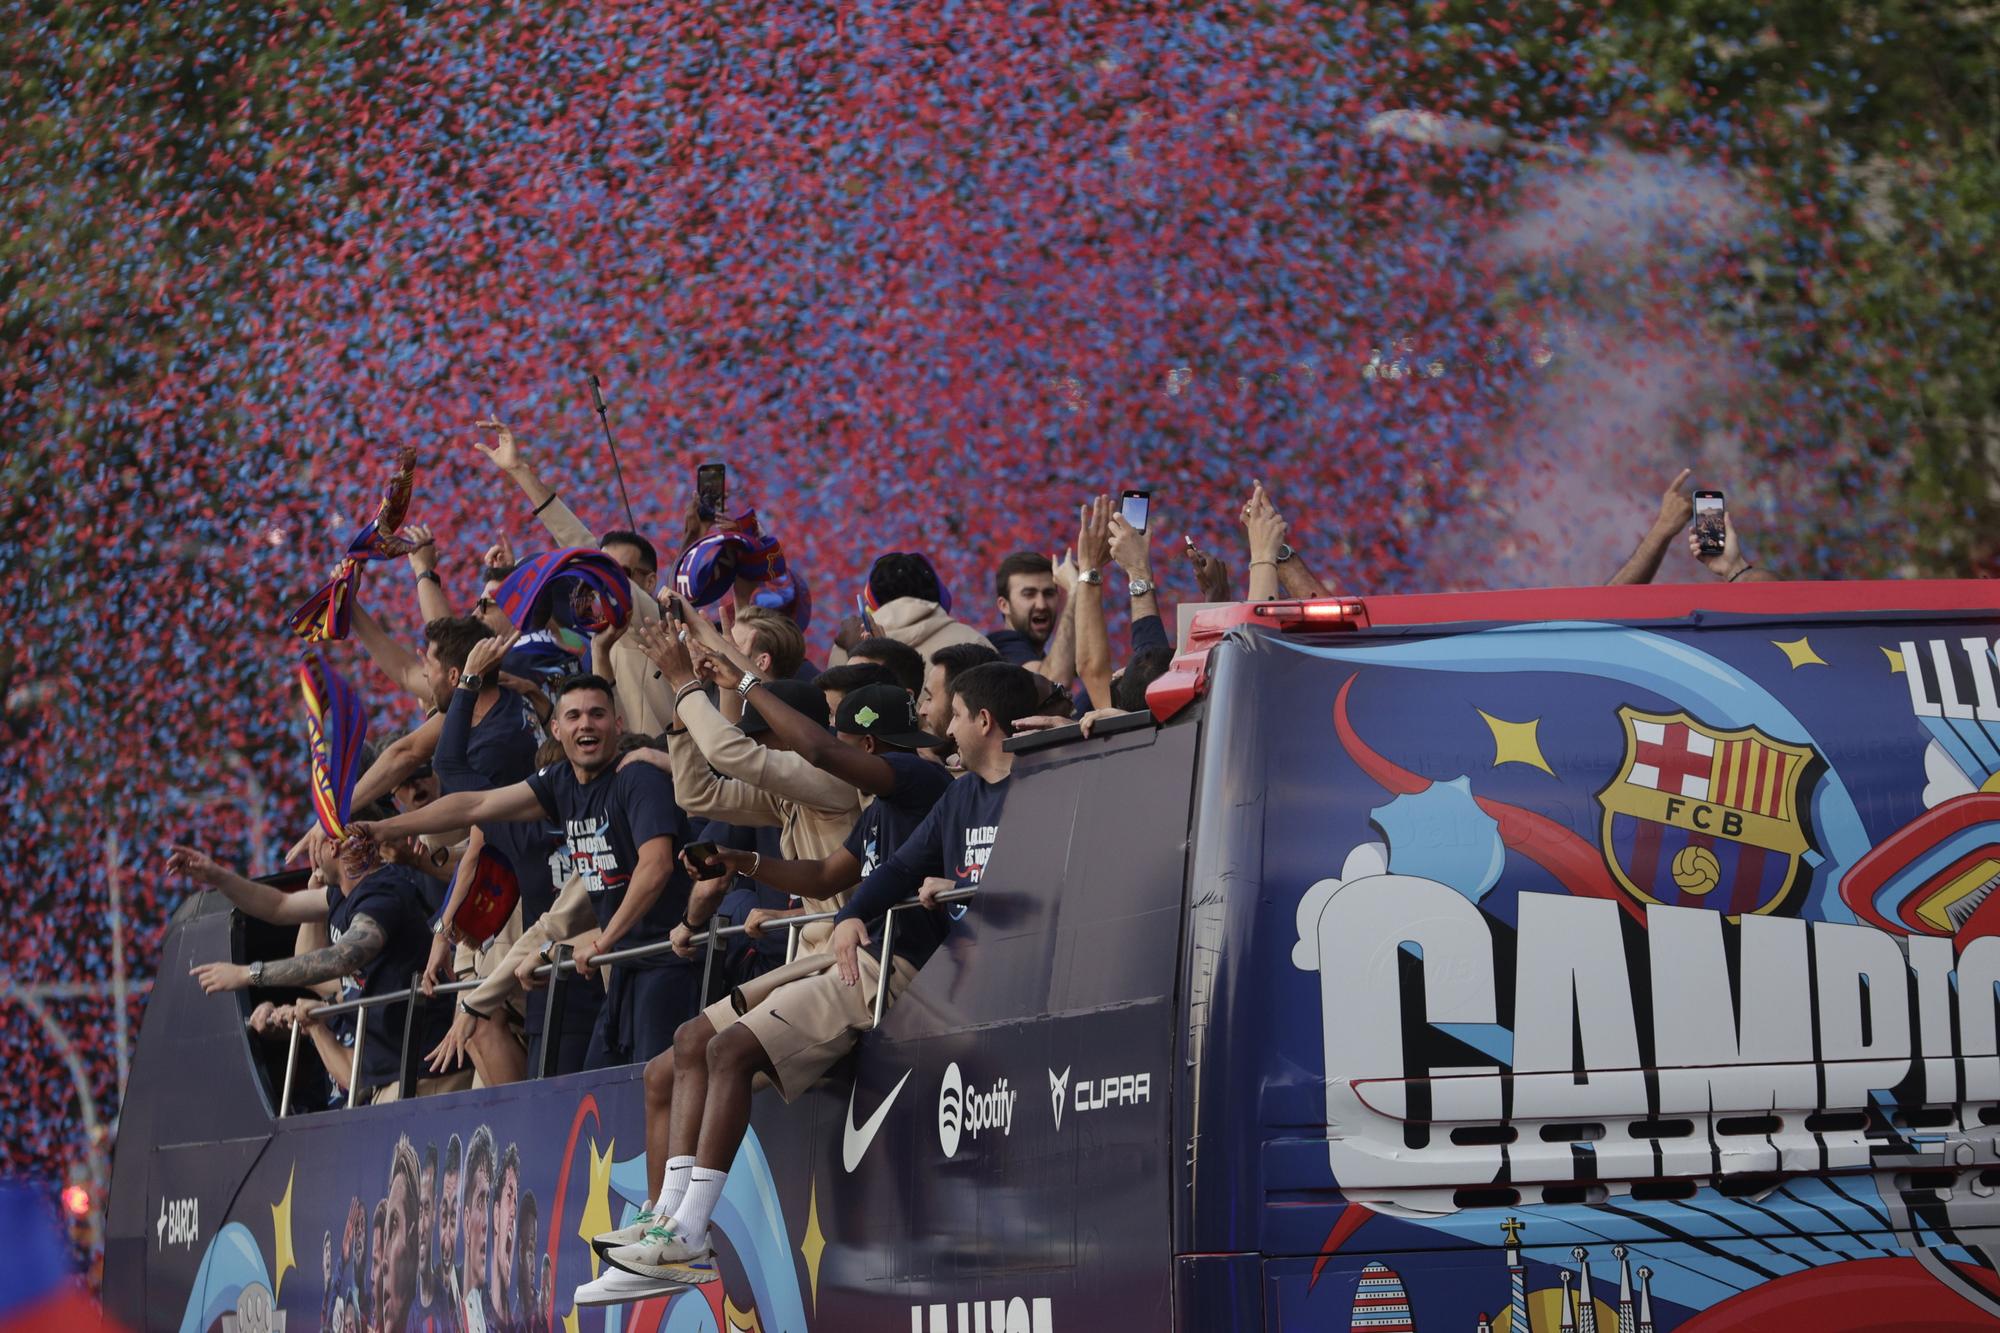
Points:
(825, 1013)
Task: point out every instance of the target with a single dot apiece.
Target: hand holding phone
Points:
(1710, 529)
(711, 489)
(702, 861)
(1133, 507)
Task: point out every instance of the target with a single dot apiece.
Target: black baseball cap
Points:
(889, 714)
(802, 696)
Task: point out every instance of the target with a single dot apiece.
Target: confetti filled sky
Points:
(1463, 284)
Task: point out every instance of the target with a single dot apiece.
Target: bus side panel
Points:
(1029, 1068)
(1666, 956)
(998, 1153)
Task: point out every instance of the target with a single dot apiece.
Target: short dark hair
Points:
(903, 574)
(510, 1163)
(453, 636)
(1021, 562)
(959, 658)
(479, 1154)
(584, 680)
(851, 676)
(431, 1157)
(1129, 690)
(453, 1155)
(904, 663)
(1006, 691)
(622, 537)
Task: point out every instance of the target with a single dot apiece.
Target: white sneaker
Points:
(664, 1255)
(618, 1287)
(606, 1241)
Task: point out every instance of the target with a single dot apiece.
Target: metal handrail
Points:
(707, 939)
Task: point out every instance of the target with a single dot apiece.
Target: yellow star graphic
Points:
(1799, 652)
(814, 1243)
(1516, 743)
(282, 1257)
(1895, 656)
(596, 1218)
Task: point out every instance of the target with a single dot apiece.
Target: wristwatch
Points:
(474, 682)
(1090, 576)
(1141, 587)
(1285, 552)
(257, 973)
(443, 927)
(465, 1008)
(749, 682)
(431, 574)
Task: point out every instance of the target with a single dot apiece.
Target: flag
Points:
(323, 615)
(335, 727)
(588, 589)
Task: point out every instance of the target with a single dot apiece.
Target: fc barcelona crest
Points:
(1699, 817)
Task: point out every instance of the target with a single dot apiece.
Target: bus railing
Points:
(542, 1064)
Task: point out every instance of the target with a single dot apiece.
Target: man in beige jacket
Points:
(643, 699)
(909, 608)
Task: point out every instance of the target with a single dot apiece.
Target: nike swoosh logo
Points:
(854, 1142)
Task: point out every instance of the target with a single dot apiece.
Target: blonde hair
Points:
(773, 632)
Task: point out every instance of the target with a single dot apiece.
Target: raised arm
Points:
(391, 658)
(431, 602)
(850, 765)
(1093, 639)
(1676, 508)
(1132, 551)
(400, 758)
(247, 895)
(1059, 662)
(506, 454)
(1265, 528)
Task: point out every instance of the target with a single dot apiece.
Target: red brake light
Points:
(1323, 613)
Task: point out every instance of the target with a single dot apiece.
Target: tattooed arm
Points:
(356, 948)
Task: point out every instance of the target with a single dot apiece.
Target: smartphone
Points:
(711, 489)
(1708, 522)
(1132, 507)
(861, 610)
(702, 855)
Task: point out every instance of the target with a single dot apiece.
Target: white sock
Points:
(703, 1192)
(673, 1187)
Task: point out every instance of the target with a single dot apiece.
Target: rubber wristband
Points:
(545, 504)
(684, 691)
(1741, 572)
(430, 574)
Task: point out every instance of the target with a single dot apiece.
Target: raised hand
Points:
(423, 548)
(1093, 533)
(1676, 504)
(1132, 548)
(486, 654)
(500, 555)
(1211, 576)
(505, 451)
(1263, 525)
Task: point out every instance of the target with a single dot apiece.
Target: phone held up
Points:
(711, 489)
(1708, 522)
(1132, 507)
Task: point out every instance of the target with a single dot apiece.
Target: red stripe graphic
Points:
(1745, 889)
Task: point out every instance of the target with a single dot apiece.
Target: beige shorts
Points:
(426, 1087)
(805, 1017)
(474, 961)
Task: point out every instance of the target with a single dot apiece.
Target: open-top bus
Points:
(1595, 959)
